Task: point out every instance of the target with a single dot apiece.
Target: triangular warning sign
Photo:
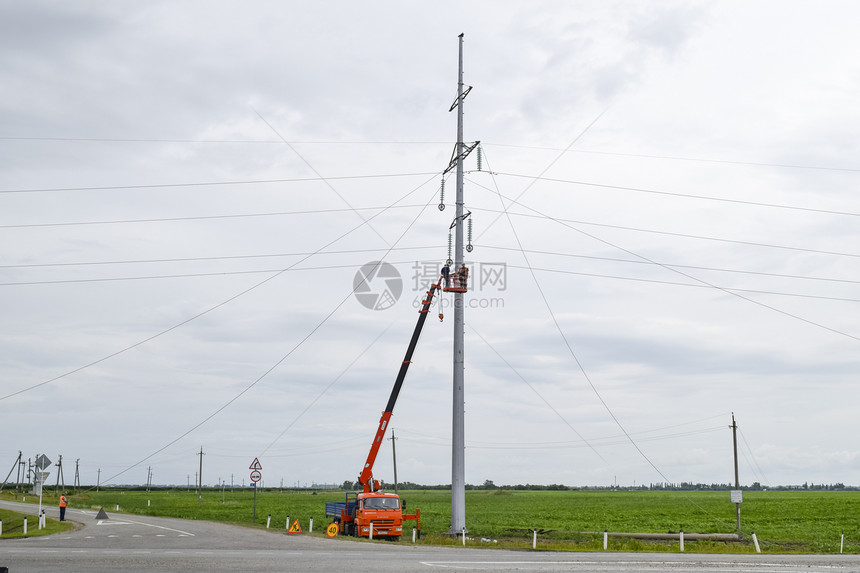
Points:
(295, 527)
(102, 514)
(255, 465)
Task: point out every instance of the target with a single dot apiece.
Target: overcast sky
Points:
(665, 231)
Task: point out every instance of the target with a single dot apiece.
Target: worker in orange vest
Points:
(463, 275)
(63, 503)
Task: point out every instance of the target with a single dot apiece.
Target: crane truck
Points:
(371, 512)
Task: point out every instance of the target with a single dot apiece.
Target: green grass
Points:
(13, 525)
(803, 522)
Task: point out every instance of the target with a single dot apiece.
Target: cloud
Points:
(722, 164)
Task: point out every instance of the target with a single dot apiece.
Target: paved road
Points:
(139, 544)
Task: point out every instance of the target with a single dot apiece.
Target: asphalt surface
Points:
(132, 543)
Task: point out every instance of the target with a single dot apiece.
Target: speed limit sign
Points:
(256, 476)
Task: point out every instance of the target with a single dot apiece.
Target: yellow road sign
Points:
(332, 529)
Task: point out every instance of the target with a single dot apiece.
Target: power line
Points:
(573, 142)
(359, 251)
(271, 369)
(616, 436)
(539, 395)
(205, 259)
(680, 158)
(672, 194)
(398, 142)
(351, 265)
(756, 467)
(327, 388)
(562, 334)
(674, 265)
(596, 442)
(570, 349)
(323, 179)
(540, 215)
(196, 316)
(201, 217)
(230, 141)
(601, 441)
(283, 358)
(696, 279)
(292, 268)
(700, 284)
(217, 183)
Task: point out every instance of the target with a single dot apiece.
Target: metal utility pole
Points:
(734, 428)
(394, 458)
(458, 441)
(77, 474)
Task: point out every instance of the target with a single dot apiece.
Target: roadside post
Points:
(256, 476)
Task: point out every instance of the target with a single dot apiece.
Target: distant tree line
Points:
(490, 485)
(660, 486)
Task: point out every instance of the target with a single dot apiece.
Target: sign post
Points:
(256, 476)
(42, 462)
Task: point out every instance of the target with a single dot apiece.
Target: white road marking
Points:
(727, 566)
(179, 531)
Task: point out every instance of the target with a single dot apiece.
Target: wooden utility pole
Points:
(734, 428)
(60, 477)
(77, 474)
(17, 465)
(200, 479)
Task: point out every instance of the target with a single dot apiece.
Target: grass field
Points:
(13, 525)
(802, 521)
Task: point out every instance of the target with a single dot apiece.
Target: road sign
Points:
(42, 462)
(256, 476)
(255, 465)
(332, 529)
(295, 527)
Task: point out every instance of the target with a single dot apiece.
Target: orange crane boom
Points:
(366, 478)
